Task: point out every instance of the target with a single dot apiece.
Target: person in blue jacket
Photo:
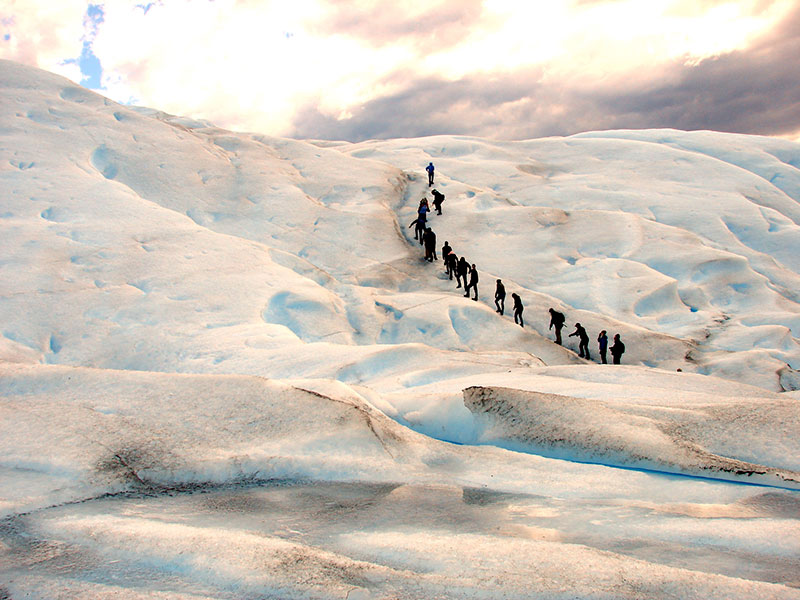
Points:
(422, 217)
(602, 343)
(429, 169)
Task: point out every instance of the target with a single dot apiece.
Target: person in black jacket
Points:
(500, 297)
(617, 349)
(517, 309)
(452, 264)
(430, 245)
(473, 283)
(438, 198)
(446, 249)
(557, 320)
(461, 272)
(583, 343)
(602, 343)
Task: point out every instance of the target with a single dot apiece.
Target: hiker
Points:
(557, 320)
(462, 269)
(517, 309)
(617, 349)
(473, 282)
(602, 343)
(452, 264)
(419, 230)
(500, 297)
(430, 169)
(446, 249)
(438, 198)
(583, 344)
(430, 245)
(422, 218)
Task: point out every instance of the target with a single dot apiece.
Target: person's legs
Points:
(603, 357)
(558, 335)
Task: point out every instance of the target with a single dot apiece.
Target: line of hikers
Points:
(468, 275)
(557, 321)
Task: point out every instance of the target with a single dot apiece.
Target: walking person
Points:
(438, 198)
(557, 320)
(422, 218)
(462, 271)
(430, 245)
(602, 343)
(419, 228)
(617, 349)
(452, 264)
(446, 249)
(500, 297)
(473, 283)
(583, 341)
(430, 170)
(517, 309)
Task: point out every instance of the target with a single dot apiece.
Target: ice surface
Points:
(226, 371)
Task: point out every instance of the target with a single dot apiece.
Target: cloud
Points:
(746, 91)
(44, 34)
(357, 69)
(430, 24)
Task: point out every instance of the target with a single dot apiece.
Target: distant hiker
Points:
(462, 270)
(430, 245)
(446, 249)
(438, 198)
(500, 297)
(429, 169)
(517, 309)
(473, 283)
(617, 349)
(602, 343)
(583, 344)
(452, 263)
(557, 320)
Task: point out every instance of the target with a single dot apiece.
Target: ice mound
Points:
(741, 439)
(65, 437)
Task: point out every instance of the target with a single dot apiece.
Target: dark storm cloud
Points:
(750, 91)
(441, 25)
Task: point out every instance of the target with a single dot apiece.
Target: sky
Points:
(375, 69)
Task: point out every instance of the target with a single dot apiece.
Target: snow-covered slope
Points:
(239, 331)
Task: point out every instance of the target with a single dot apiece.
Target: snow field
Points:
(225, 370)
